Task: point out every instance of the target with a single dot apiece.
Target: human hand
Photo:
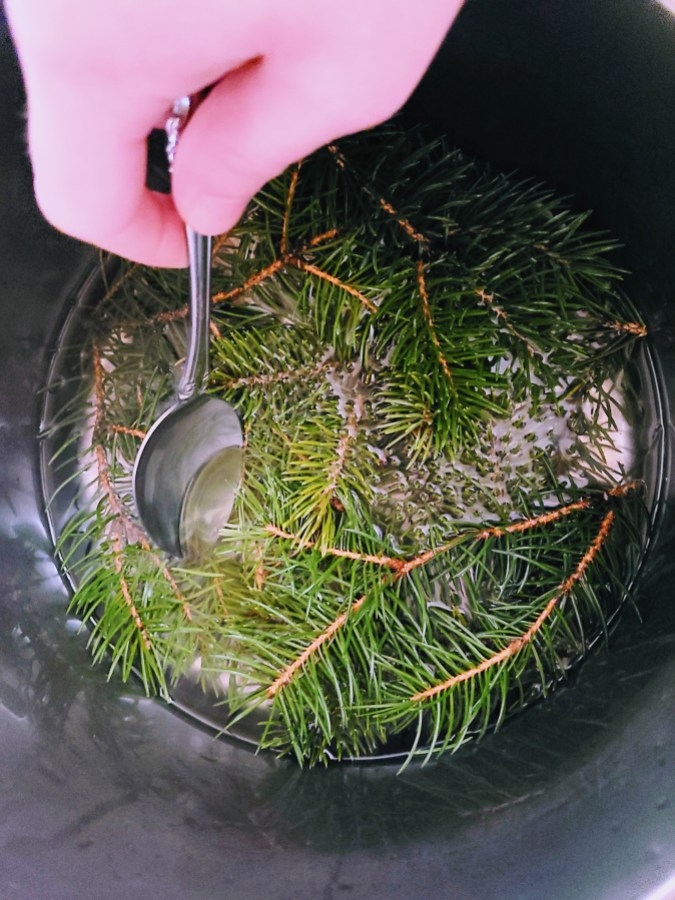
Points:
(288, 77)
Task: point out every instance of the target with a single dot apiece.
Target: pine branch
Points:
(516, 645)
(427, 360)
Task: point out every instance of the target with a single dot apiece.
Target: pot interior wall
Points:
(571, 799)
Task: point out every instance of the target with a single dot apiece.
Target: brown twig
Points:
(635, 328)
(302, 373)
(116, 285)
(338, 156)
(386, 561)
(334, 280)
(489, 300)
(426, 309)
(403, 566)
(131, 432)
(622, 489)
(161, 318)
(220, 241)
(118, 560)
(122, 517)
(323, 237)
(405, 224)
(260, 571)
(284, 260)
(102, 466)
(400, 568)
(287, 212)
(285, 677)
(528, 636)
(536, 522)
(132, 532)
(251, 282)
(342, 451)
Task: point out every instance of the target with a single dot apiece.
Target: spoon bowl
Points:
(187, 473)
(188, 467)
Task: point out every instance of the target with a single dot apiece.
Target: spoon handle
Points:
(196, 369)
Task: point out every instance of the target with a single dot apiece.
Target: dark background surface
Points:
(104, 793)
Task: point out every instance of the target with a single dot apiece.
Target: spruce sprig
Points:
(434, 523)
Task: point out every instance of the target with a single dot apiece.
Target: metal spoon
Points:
(189, 465)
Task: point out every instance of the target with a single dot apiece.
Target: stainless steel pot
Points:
(104, 792)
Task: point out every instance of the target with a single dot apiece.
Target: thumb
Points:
(253, 124)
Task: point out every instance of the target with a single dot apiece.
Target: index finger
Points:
(89, 168)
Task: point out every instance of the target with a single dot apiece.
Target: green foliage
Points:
(434, 523)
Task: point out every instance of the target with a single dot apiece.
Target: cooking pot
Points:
(104, 792)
